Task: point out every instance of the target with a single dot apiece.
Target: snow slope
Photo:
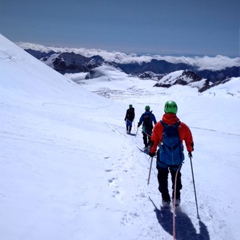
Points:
(69, 171)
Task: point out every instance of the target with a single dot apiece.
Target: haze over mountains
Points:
(208, 70)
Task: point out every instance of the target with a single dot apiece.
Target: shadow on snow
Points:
(184, 227)
(132, 134)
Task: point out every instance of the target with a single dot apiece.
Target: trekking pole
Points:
(136, 132)
(194, 188)
(150, 170)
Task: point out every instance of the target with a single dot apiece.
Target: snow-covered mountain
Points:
(71, 60)
(180, 77)
(69, 171)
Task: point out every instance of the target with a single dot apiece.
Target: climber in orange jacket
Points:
(168, 136)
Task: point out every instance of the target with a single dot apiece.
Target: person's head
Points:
(147, 108)
(130, 106)
(170, 107)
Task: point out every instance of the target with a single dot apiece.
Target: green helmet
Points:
(147, 108)
(170, 107)
(130, 105)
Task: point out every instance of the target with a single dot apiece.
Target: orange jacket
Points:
(184, 132)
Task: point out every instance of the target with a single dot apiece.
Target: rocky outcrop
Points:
(68, 62)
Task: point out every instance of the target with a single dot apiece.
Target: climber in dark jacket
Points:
(147, 120)
(129, 117)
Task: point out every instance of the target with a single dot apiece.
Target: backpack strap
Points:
(165, 125)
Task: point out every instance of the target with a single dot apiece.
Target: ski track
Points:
(212, 130)
(132, 163)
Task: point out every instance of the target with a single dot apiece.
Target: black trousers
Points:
(163, 181)
(146, 139)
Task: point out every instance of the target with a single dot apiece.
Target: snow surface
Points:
(68, 170)
(206, 62)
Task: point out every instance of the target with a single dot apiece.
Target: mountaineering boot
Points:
(129, 130)
(177, 202)
(166, 203)
(166, 200)
(146, 150)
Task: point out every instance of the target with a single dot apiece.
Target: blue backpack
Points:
(171, 147)
(147, 123)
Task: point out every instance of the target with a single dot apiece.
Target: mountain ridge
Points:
(66, 60)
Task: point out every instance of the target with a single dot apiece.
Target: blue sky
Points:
(187, 27)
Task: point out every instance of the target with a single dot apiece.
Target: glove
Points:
(139, 124)
(151, 154)
(190, 154)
